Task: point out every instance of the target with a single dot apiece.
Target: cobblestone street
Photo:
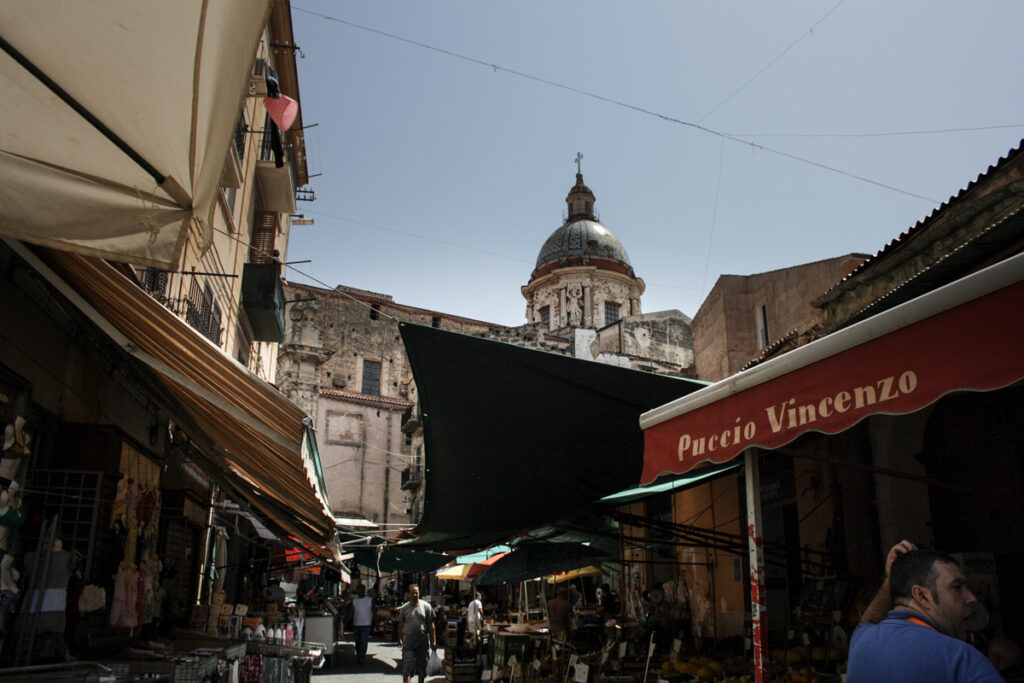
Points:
(382, 664)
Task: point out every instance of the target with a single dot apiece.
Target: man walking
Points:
(474, 618)
(559, 615)
(416, 635)
(914, 628)
(362, 620)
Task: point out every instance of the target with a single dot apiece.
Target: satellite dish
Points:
(979, 617)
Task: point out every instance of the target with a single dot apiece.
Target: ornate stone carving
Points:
(574, 302)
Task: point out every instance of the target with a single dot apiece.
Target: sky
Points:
(718, 137)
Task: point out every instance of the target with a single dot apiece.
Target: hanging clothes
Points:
(124, 606)
(220, 559)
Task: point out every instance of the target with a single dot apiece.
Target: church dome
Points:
(582, 240)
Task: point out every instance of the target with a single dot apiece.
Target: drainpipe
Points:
(387, 469)
(203, 581)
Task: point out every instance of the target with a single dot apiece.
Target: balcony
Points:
(411, 419)
(412, 478)
(277, 183)
(263, 301)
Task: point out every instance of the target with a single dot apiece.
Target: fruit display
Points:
(805, 675)
(789, 666)
(705, 669)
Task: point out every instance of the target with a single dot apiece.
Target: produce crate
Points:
(461, 669)
(507, 645)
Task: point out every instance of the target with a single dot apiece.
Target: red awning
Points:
(968, 335)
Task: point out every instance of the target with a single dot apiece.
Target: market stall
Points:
(897, 363)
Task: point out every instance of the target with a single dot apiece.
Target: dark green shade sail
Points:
(516, 438)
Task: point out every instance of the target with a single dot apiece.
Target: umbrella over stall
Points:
(533, 560)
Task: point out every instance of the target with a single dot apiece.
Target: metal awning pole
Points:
(755, 546)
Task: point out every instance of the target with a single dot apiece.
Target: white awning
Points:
(117, 118)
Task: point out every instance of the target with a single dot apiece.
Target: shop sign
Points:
(969, 347)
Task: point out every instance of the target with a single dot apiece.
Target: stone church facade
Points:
(343, 361)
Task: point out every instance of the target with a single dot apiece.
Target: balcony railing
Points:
(263, 300)
(412, 477)
(202, 319)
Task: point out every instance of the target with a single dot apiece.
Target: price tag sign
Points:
(582, 671)
(677, 644)
(536, 665)
(622, 650)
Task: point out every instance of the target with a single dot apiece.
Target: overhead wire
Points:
(308, 276)
(883, 134)
(626, 105)
(769, 64)
(714, 218)
(420, 237)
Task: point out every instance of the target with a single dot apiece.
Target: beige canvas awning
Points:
(263, 446)
(117, 118)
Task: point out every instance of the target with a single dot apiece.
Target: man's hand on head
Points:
(895, 551)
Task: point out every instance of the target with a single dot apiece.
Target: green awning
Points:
(677, 484)
(375, 552)
(394, 559)
(516, 438)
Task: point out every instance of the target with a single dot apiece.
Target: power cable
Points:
(769, 64)
(420, 237)
(619, 103)
(714, 219)
(938, 131)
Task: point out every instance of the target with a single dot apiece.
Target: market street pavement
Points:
(382, 664)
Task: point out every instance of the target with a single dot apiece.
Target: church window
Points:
(371, 377)
(611, 312)
(435, 321)
(545, 315)
(374, 311)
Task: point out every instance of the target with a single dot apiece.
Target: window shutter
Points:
(264, 233)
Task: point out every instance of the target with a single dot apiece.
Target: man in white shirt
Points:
(474, 618)
(362, 620)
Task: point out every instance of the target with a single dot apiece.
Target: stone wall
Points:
(363, 450)
(725, 329)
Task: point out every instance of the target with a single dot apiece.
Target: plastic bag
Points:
(435, 665)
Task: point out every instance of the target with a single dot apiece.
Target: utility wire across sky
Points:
(619, 103)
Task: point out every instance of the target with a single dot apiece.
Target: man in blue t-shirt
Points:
(922, 638)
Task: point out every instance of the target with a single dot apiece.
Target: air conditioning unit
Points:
(258, 80)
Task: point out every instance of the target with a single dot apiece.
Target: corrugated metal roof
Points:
(924, 223)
